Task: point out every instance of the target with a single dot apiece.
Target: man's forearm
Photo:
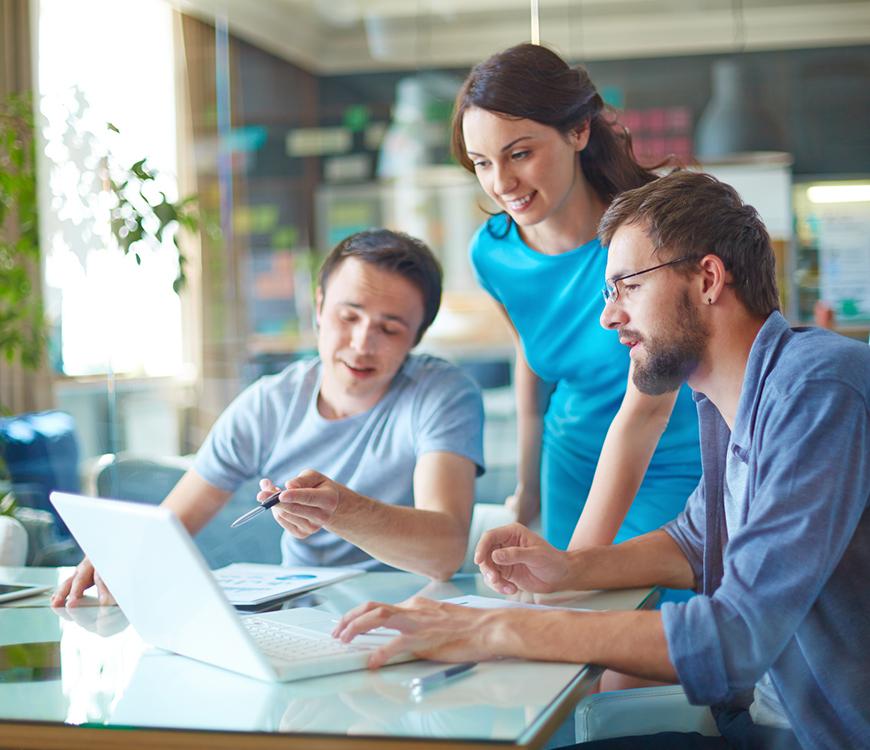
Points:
(628, 642)
(422, 541)
(653, 559)
(195, 501)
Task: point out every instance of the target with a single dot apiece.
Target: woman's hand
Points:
(524, 504)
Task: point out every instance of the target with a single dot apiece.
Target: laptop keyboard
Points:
(285, 642)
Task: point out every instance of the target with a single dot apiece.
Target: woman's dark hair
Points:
(533, 83)
(395, 252)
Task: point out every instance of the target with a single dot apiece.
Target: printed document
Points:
(250, 584)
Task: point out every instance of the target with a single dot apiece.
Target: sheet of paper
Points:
(844, 261)
(254, 583)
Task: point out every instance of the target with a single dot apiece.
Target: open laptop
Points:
(164, 587)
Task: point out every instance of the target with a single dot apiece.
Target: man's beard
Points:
(671, 362)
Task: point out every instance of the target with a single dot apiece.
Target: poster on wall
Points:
(844, 263)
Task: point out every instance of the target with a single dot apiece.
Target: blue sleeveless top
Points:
(555, 302)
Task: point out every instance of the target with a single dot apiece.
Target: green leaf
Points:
(133, 234)
(189, 222)
(165, 211)
(140, 171)
(117, 225)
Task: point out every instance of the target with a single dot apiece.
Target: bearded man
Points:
(776, 537)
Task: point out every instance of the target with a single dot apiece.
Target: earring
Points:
(709, 301)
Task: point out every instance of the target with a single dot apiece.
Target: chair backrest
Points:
(149, 480)
(41, 453)
(484, 517)
(143, 480)
(13, 542)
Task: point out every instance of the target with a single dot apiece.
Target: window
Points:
(100, 63)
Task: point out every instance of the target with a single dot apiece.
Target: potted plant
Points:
(22, 326)
(22, 329)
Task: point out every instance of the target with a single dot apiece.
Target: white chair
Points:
(485, 516)
(13, 542)
(639, 711)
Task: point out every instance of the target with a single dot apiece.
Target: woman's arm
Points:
(526, 500)
(628, 447)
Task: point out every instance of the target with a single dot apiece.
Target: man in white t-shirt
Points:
(365, 419)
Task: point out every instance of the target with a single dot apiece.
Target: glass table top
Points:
(87, 667)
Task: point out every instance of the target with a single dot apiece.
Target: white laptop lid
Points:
(161, 581)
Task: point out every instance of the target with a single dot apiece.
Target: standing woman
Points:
(538, 137)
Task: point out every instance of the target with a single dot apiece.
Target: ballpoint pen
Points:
(419, 684)
(253, 513)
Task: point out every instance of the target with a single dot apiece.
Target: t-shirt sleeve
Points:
(233, 450)
(449, 416)
(688, 529)
(479, 254)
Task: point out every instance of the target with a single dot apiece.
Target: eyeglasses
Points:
(610, 292)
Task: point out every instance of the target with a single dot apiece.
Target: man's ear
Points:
(713, 278)
(318, 305)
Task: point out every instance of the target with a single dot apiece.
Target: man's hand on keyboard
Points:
(429, 629)
(289, 644)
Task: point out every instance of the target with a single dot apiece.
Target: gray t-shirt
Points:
(766, 709)
(273, 429)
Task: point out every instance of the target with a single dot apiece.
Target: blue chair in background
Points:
(41, 453)
(149, 480)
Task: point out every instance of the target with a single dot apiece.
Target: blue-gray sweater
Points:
(790, 592)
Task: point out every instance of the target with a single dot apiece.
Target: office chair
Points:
(41, 453)
(640, 711)
(149, 480)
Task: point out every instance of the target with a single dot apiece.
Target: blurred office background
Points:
(293, 123)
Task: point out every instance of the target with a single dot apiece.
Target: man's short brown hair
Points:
(398, 253)
(693, 214)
